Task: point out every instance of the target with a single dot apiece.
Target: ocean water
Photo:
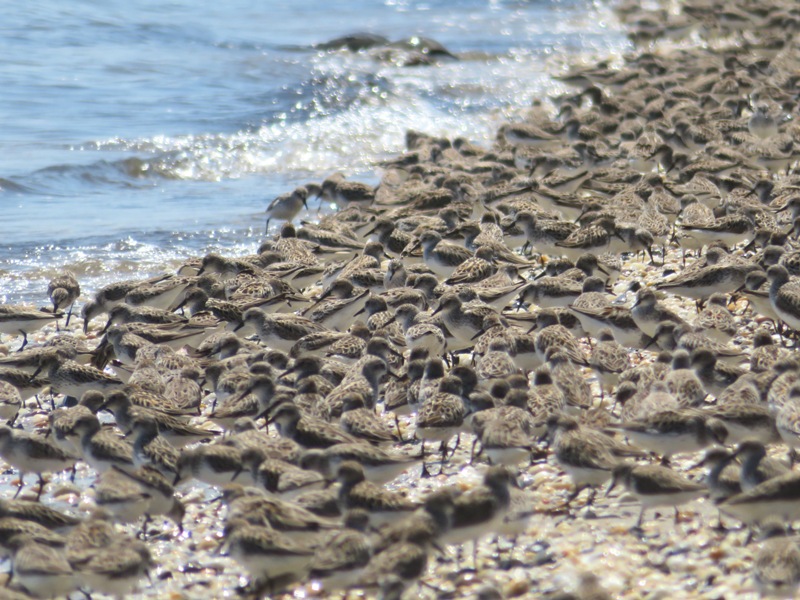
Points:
(139, 133)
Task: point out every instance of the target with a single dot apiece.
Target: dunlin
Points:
(654, 485)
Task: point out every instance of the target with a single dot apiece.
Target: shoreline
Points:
(688, 556)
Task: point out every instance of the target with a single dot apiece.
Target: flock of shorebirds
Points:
(608, 287)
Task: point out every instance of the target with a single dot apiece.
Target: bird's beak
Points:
(416, 245)
(287, 372)
(218, 549)
(180, 305)
(697, 465)
(244, 393)
(264, 413)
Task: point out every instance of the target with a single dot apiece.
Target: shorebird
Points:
(647, 312)
(716, 321)
(480, 510)
(722, 479)
(401, 564)
(269, 556)
(41, 569)
(586, 456)
(776, 567)
(756, 466)
(74, 379)
(24, 320)
(440, 417)
(345, 193)
(102, 448)
(731, 230)
(551, 292)
(671, 432)
(618, 319)
(654, 485)
(356, 492)
(214, 464)
(683, 382)
(256, 506)
(286, 206)
(10, 402)
(609, 359)
(109, 296)
(527, 134)
(150, 449)
(63, 291)
(463, 322)
(542, 235)
(551, 335)
(37, 512)
(340, 560)
(775, 497)
(30, 453)
(116, 570)
(713, 279)
(420, 333)
(278, 331)
(784, 296)
(337, 306)
(594, 239)
(308, 431)
(439, 256)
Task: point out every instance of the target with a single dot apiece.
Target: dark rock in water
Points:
(354, 42)
(415, 51)
(417, 59)
(423, 45)
(402, 57)
(412, 52)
